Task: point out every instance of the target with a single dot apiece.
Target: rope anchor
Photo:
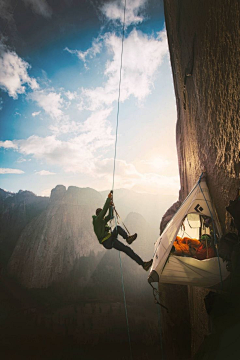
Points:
(155, 293)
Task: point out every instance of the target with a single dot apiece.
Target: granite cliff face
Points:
(51, 242)
(203, 38)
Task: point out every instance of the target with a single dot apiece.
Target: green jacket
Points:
(100, 226)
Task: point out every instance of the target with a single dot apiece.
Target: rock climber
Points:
(109, 239)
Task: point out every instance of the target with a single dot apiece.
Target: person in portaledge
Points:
(109, 239)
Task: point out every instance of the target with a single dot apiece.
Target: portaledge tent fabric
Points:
(187, 270)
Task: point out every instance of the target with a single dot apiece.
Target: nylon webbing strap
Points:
(118, 217)
(214, 234)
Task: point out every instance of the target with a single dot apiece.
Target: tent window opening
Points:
(190, 237)
(194, 226)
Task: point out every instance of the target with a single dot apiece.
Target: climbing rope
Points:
(114, 168)
(119, 95)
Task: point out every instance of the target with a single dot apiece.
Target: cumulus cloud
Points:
(78, 154)
(8, 144)
(51, 102)
(14, 73)
(72, 155)
(45, 173)
(55, 106)
(40, 7)
(71, 95)
(10, 171)
(142, 57)
(114, 10)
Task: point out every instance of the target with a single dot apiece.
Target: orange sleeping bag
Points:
(182, 245)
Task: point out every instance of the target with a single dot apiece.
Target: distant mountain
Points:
(58, 239)
(16, 211)
(50, 243)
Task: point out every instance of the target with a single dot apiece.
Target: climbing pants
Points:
(113, 242)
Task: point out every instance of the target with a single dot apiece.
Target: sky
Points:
(59, 89)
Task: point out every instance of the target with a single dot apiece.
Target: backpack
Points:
(234, 209)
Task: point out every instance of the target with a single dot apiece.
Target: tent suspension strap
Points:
(114, 167)
(214, 234)
(155, 293)
(157, 301)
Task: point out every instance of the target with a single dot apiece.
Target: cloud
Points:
(55, 106)
(127, 176)
(156, 163)
(114, 10)
(6, 12)
(137, 76)
(40, 7)
(78, 154)
(36, 113)
(8, 144)
(1, 104)
(21, 160)
(45, 173)
(51, 102)
(71, 95)
(89, 53)
(10, 171)
(73, 155)
(14, 73)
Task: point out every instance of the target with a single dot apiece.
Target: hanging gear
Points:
(118, 218)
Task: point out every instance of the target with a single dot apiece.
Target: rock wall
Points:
(203, 39)
(204, 48)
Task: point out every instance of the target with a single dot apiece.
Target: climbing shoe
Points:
(131, 238)
(147, 264)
